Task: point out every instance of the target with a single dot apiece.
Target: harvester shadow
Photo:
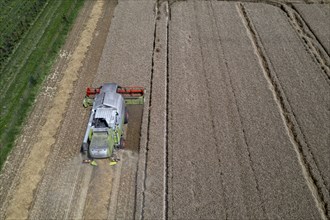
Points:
(133, 128)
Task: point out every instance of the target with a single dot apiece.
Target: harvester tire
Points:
(126, 116)
(84, 149)
(122, 143)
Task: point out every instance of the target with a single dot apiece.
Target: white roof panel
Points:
(107, 113)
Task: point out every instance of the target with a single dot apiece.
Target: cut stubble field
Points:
(235, 123)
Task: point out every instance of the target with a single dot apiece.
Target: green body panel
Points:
(99, 139)
(90, 134)
(128, 101)
(88, 101)
(118, 133)
(111, 142)
(99, 145)
(113, 138)
(134, 101)
(107, 139)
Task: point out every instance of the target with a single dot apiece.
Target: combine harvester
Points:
(105, 129)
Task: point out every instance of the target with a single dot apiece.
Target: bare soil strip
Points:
(34, 166)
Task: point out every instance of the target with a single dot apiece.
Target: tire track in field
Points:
(148, 126)
(145, 173)
(310, 40)
(286, 114)
(166, 171)
(154, 192)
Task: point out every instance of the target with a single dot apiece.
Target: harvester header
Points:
(133, 95)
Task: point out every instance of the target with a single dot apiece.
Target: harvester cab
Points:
(109, 113)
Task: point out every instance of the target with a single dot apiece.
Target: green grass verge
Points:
(29, 65)
(16, 16)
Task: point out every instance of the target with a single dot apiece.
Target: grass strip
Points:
(26, 46)
(15, 19)
(28, 79)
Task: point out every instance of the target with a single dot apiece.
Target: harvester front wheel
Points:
(126, 116)
(84, 151)
(122, 143)
(84, 148)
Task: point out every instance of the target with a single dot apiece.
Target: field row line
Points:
(149, 118)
